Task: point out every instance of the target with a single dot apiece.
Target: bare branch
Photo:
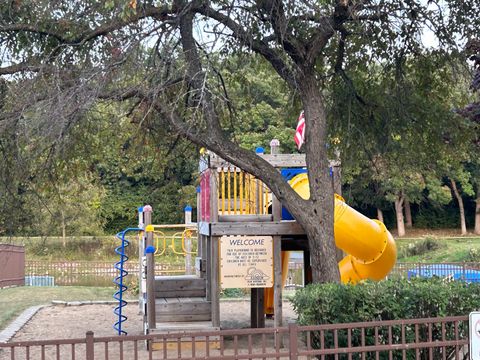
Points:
(32, 29)
(340, 70)
(259, 46)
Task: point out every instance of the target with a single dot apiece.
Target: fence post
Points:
(292, 341)
(89, 351)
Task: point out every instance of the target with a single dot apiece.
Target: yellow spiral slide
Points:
(370, 248)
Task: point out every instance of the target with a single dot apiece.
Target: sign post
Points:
(246, 262)
(474, 326)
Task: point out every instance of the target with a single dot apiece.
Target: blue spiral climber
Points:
(120, 250)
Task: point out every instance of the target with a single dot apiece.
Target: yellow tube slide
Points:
(370, 248)
(268, 299)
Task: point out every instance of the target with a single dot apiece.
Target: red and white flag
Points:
(300, 132)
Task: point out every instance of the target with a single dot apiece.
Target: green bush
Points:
(386, 300)
(421, 247)
(473, 255)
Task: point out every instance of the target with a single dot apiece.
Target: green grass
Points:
(448, 250)
(16, 299)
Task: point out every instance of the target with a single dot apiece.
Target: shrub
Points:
(386, 300)
(473, 255)
(421, 247)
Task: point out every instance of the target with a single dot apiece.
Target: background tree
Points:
(472, 113)
(405, 132)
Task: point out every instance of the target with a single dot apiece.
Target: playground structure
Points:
(234, 207)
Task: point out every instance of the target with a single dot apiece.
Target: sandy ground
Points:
(70, 322)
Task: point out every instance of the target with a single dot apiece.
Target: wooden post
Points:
(274, 147)
(293, 341)
(277, 269)
(257, 308)
(208, 267)
(188, 242)
(306, 268)
(257, 295)
(151, 323)
(198, 260)
(141, 272)
(89, 346)
(213, 281)
(277, 266)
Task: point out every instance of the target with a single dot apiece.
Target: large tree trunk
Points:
(408, 214)
(318, 220)
(477, 213)
(380, 214)
(458, 196)
(399, 213)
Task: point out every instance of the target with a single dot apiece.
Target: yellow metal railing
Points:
(240, 193)
(176, 242)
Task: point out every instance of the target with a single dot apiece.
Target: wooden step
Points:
(186, 343)
(179, 286)
(182, 309)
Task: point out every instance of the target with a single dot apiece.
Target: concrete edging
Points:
(19, 322)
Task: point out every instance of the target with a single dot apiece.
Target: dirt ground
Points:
(69, 322)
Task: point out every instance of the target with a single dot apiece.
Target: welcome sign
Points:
(246, 262)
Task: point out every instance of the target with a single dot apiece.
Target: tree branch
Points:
(158, 13)
(275, 14)
(259, 46)
(339, 67)
(21, 67)
(32, 29)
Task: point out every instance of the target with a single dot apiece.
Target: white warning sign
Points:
(474, 326)
(246, 262)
